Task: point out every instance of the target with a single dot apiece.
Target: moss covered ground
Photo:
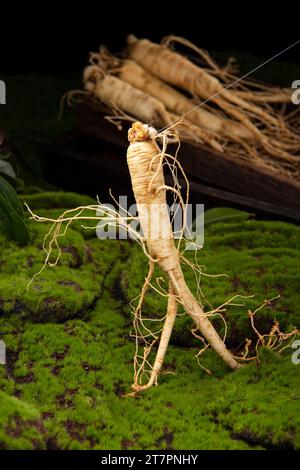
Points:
(70, 353)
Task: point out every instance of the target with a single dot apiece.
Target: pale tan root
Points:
(144, 160)
(274, 144)
(121, 95)
(280, 96)
(163, 344)
(177, 70)
(115, 92)
(132, 73)
(275, 340)
(189, 132)
(269, 94)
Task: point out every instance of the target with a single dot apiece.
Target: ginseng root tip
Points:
(140, 132)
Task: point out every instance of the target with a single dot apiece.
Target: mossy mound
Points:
(71, 287)
(257, 258)
(68, 367)
(58, 199)
(76, 373)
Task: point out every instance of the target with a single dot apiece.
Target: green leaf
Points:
(7, 169)
(12, 224)
(12, 220)
(224, 214)
(8, 192)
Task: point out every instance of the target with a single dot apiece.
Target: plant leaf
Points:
(7, 169)
(12, 224)
(224, 214)
(8, 192)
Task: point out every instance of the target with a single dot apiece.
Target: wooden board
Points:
(90, 165)
(203, 165)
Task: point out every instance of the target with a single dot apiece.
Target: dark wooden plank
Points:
(242, 202)
(92, 166)
(246, 180)
(204, 165)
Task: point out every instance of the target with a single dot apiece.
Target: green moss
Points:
(69, 360)
(56, 199)
(71, 287)
(241, 409)
(259, 259)
(20, 425)
(76, 373)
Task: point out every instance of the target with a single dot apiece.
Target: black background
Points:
(46, 38)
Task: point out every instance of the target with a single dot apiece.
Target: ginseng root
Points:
(144, 159)
(179, 71)
(175, 102)
(124, 97)
(163, 344)
(248, 90)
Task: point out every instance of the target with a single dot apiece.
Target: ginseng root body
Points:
(144, 159)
